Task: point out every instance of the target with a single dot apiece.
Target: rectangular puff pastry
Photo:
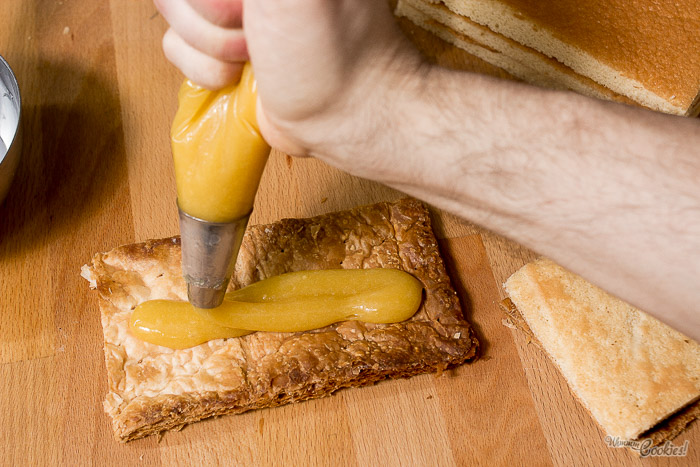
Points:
(153, 388)
(638, 377)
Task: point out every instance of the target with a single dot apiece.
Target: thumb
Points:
(275, 137)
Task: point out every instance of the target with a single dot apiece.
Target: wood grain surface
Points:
(96, 172)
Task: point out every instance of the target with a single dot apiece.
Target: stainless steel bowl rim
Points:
(9, 161)
(10, 80)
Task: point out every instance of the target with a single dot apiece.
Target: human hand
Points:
(327, 70)
(205, 40)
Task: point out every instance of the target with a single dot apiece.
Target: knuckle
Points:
(217, 75)
(233, 49)
(226, 13)
(160, 5)
(169, 44)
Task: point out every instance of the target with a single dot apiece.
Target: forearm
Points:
(608, 191)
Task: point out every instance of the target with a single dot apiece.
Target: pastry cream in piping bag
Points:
(218, 150)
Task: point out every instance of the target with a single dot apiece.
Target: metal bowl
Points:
(10, 128)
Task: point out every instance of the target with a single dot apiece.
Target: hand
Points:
(205, 40)
(327, 70)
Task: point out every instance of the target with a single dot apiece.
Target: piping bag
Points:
(219, 157)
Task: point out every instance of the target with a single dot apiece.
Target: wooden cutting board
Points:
(96, 172)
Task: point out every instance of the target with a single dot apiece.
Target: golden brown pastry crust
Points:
(630, 370)
(152, 389)
(664, 431)
(517, 59)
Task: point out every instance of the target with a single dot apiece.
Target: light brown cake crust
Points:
(665, 430)
(152, 389)
(554, 44)
(519, 60)
(645, 51)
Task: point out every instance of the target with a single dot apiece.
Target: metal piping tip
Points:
(209, 252)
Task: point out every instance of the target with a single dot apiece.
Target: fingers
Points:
(224, 13)
(199, 67)
(221, 38)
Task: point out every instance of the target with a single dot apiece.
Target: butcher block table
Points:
(96, 172)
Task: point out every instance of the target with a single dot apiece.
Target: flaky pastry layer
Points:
(153, 388)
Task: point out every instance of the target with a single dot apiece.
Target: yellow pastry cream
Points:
(296, 301)
(218, 150)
